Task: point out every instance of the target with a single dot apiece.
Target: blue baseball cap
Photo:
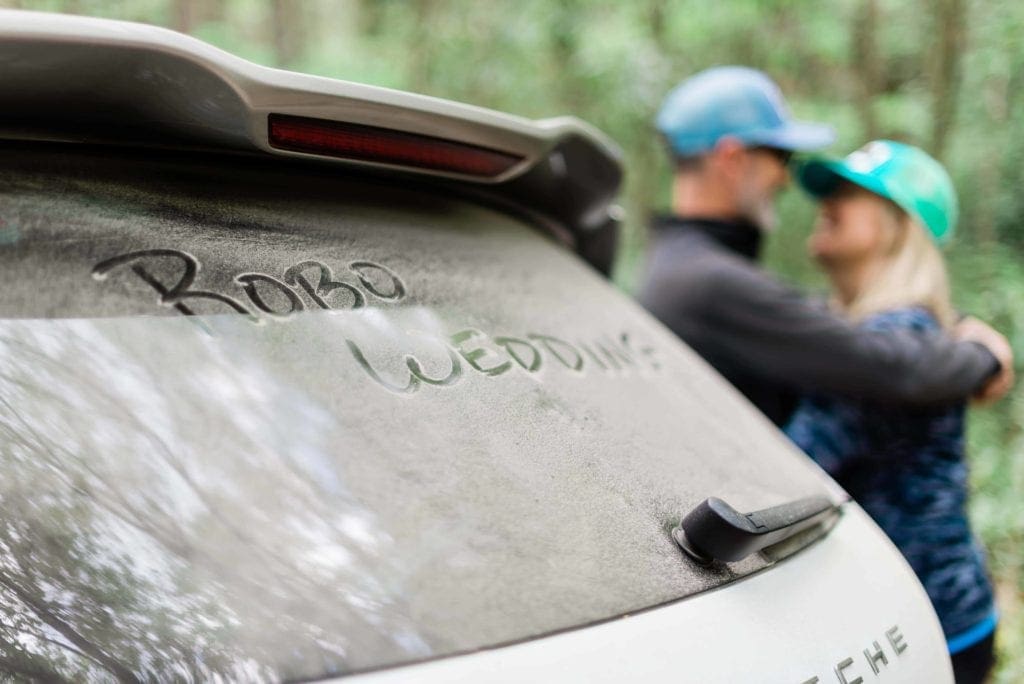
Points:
(736, 101)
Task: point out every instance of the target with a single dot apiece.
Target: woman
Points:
(884, 211)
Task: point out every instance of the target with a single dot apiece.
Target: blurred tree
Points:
(289, 30)
(951, 21)
(183, 12)
(868, 65)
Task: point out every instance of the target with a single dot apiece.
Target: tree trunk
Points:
(868, 65)
(370, 18)
(289, 31)
(950, 21)
(210, 10)
(420, 54)
(183, 16)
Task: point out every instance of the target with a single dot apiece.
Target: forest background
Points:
(947, 75)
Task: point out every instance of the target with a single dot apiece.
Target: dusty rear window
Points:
(264, 425)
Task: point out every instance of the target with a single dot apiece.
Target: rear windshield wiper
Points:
(714, 530)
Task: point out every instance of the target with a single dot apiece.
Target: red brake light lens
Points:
(386, 146)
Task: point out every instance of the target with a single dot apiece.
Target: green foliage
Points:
(868, 66)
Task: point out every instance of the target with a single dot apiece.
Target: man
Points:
(731, 136)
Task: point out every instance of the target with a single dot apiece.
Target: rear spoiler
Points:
(79, 79)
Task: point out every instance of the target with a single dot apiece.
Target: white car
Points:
(303, 379)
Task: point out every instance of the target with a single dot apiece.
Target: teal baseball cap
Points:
(905, 174)
(734, 101)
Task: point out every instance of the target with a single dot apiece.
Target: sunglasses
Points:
(784, 156)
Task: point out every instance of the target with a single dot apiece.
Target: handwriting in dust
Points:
(313, 284)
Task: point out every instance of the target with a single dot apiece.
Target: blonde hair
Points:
(913, 273)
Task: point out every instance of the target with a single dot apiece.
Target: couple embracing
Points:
(873, 383)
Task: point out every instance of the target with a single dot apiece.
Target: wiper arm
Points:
(714, 530)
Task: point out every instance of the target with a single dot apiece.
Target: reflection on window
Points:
(146, 539)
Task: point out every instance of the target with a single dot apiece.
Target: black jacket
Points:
(772, 342)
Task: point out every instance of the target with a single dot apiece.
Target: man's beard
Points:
(759, 209)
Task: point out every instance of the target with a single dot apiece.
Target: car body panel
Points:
(807, 620)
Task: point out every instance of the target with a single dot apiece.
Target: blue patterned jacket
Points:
(906, 468)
